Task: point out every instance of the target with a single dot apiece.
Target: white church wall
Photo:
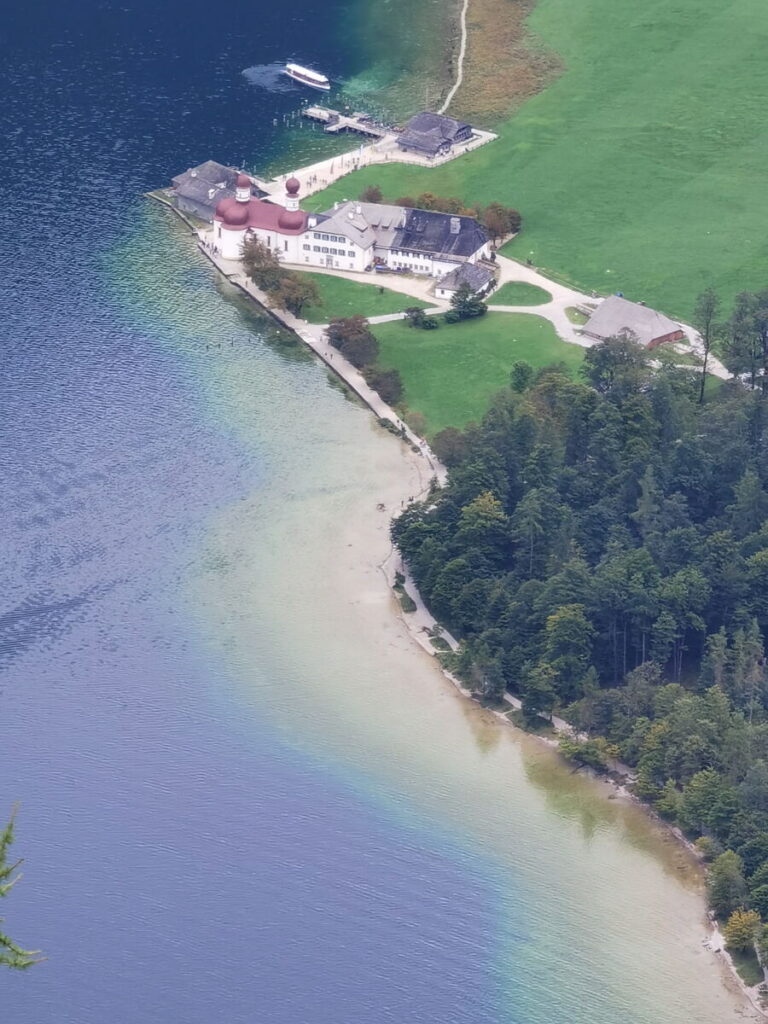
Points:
(230, 243)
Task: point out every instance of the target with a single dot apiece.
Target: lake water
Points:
(245, 796)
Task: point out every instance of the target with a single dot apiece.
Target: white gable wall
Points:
(320, 248)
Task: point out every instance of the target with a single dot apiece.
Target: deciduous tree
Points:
(353, 338)
(726, 885)
(294, 292)
(371, 194)
(261, 264)
(539, 693)
(386, 382)
(450, 446)
(616, 366)
(741, 929)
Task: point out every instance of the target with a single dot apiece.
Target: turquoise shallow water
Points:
(245, 796)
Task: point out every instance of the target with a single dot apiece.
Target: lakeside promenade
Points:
(315, 177)
(314, 336)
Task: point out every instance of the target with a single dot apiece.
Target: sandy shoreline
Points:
(373, 561)
(418, 625)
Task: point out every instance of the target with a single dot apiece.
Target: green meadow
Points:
(449, 375)
(519, 293)
(341, 297)
(643, 168)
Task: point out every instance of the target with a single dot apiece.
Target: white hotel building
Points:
(352, 236)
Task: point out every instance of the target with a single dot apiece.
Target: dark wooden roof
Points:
(428, 132)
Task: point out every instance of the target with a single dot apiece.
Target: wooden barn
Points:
(433, 134)
(616, 316)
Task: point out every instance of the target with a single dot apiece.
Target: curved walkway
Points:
(462, 55)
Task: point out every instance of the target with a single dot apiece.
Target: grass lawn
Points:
(451, 373)
(746, 963)
(341, 297)
(576, 316)
(519, 293)
(642, 168)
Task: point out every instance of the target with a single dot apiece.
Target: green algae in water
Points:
(409, 50)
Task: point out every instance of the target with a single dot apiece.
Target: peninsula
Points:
(596, 555)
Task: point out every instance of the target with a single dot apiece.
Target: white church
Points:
(352, 236)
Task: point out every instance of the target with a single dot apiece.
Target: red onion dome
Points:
(243, 181)
(291, 220)
(232, 213)
(292, 186)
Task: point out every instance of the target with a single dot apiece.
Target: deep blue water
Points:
(183, 864)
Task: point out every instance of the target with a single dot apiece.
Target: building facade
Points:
(352, 236)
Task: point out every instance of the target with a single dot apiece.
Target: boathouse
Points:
(433, 134)
(617, 316)
(200, 189)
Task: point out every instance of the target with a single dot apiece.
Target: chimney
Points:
(455, 225)
(358, 208)
(351, 214)
(312, 222)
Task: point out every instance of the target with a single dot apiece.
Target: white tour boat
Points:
(306, 77)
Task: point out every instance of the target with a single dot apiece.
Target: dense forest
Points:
(601, 550)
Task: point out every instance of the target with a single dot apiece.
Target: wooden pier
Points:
(335, 122)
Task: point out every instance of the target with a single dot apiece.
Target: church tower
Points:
(243, 189)
(292, 219)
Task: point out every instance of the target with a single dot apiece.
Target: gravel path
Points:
(462, 55)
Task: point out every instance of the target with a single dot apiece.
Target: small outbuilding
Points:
(433, 134)
(616, 315)
(479, 280)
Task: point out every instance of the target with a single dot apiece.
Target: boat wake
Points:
(269, 77)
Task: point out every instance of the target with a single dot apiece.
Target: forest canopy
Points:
(601, 550)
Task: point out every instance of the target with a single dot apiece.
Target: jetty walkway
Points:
(335, 122)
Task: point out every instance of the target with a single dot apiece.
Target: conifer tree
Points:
(12, 955)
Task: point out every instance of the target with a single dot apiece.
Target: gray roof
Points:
(428, 132)
(396, 227)
(359, 220)
(616, 315)
(467, 273)
(443, 234)
(207, 183)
